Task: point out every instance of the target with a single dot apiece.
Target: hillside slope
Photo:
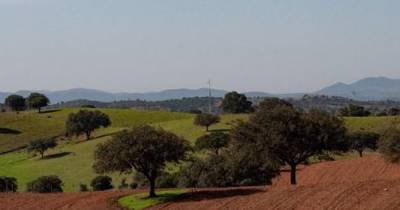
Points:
(366, 183)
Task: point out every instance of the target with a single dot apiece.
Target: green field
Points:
(141, 201)
(72, 160)
(18, 129)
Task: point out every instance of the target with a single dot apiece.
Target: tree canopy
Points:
(290, 136)
(85, 122)
(360, 141)
(214, 141)
(206, 120)
(41, 145)
(37, 101)
(15, 103)
(354, 110)
(144, 149)
(235, 102)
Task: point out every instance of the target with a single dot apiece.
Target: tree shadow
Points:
(96, 137)
(49, 111)
(216, 194)
(219, 130)
(57, 155)
(9, 131)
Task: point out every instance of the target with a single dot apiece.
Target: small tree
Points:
(389, 145)
(206, 120)
(41, 145)
(37, 101)
(15, 103)
(214, 141)
(101, 183)
(235, 102)
(360, 141)
(45, 184)
(8, 184)
(144, 149)
(85, 122)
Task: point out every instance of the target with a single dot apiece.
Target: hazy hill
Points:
(373, 88)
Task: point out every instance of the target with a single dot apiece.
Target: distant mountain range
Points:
(373, 88)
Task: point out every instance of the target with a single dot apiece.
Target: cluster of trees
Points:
(33, 101)
(354, 110)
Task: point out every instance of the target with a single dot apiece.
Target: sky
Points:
(149, 45)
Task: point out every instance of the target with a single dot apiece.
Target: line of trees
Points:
(33, 101)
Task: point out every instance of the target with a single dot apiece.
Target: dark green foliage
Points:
(225, 170)
(15, 103)
(83, 188)
(235, 102)
(214, 141)
(144, 149)
(354, 111)
(85, 122)
(37, 101)
(8, 184)
(289, 136)
(360, 141)
(45, 184)
(41, 145)
(206, 120)
(389, 145)
(88, 106)
(101, 183)
(271, 103)
(394, 112)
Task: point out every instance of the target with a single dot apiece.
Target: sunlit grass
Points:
(142, 201)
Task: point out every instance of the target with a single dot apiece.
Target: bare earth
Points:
(365, 183)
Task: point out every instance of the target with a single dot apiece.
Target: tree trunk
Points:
(152, 192)
(39, 110)
(207, 128)
(360, 152)
(88, 135)
(42, 154)
(293, 174)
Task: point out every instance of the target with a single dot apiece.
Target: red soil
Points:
(76, 201)
(366, 183)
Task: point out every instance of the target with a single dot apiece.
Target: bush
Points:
(389, 145)
(45, 184)
(101, 183)
(8, 184)
(83, 188)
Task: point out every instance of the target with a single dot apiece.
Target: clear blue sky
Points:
(128, 45)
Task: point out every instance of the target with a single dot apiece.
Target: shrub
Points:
(8, 184)
(45, 184)
(83, 188)
(389, 145)
(101, 183)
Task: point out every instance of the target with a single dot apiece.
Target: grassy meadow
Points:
(72, 160)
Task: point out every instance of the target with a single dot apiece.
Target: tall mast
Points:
(209, 97)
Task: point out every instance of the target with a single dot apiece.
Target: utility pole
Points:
(209, 97)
